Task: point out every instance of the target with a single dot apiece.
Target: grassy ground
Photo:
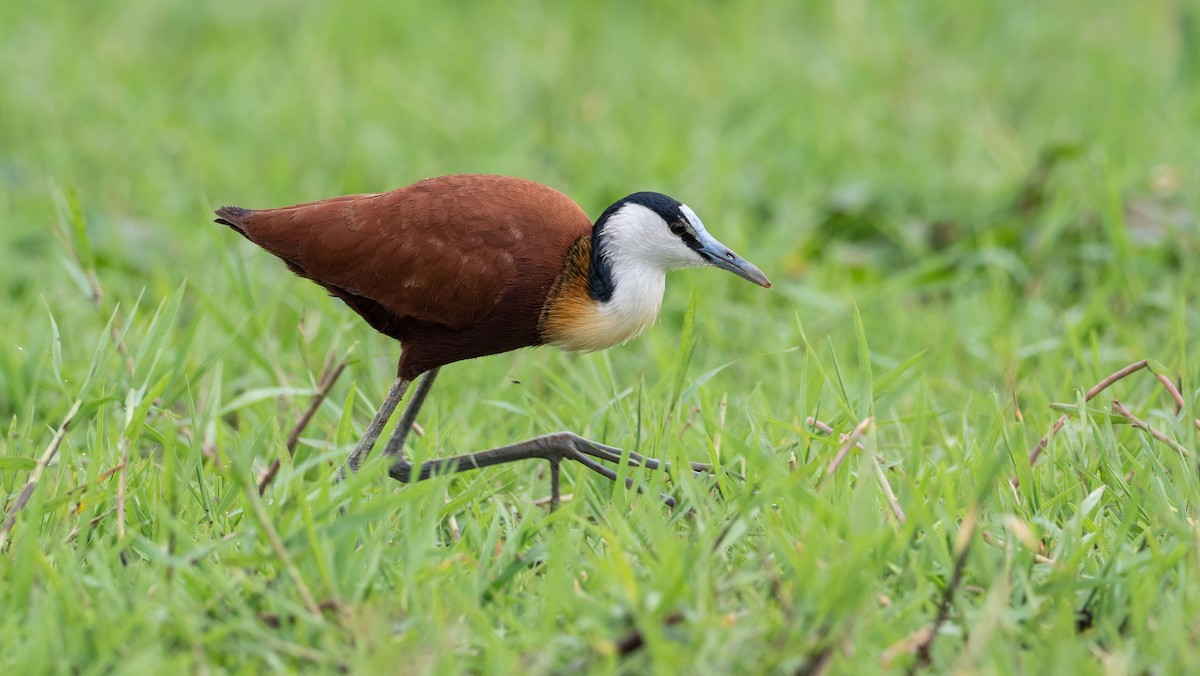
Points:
(969, 215)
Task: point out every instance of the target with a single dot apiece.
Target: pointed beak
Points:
(723, 257)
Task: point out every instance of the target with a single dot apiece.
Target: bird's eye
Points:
(678, 227)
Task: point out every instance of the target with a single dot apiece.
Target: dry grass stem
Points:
(1173, 391)
(881, 476)
(818, 425)
(37, 472)
(850, 441)
(91, 524)
(565, 497)
(122, 487)
(1012, 388)
(1088, 396)
(1099, 387)
(82, 488)
(1176, 395)
(905, 646)
(962, 543)
(1120, 409)
(326, 382)
(264, 521)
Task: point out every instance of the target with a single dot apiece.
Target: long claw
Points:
(613, 454)
(612, 476)
(552, 447)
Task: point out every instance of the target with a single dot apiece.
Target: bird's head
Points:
(652, 229)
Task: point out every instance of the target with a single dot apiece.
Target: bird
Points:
(471, 265)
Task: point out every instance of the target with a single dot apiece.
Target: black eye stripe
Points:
(600, 279)
(689, 238)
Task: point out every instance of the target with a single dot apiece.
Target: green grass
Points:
(969, 214)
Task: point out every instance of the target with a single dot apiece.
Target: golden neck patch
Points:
(572, 320)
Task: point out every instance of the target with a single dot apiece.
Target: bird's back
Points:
(464, 262)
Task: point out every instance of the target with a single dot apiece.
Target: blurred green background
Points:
(969, 211)
(760, 113)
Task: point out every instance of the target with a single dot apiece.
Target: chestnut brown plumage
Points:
(466, 266)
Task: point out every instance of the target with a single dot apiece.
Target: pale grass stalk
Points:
(37, 472)
(851, 441)
(1143, 425)
(326, 381)
(880, 475)
(264, 521)
(1088, 396)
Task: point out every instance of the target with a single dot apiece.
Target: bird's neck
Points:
(603, 298)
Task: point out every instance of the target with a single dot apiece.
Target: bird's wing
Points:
(442, 250)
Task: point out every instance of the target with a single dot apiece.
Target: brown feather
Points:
(568, 303)
(453, 267)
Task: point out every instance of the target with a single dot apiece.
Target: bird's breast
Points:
(573, 320)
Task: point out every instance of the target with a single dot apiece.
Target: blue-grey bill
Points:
(744, 269)
(723, 257)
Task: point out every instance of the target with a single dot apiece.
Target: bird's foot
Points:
(554, 448)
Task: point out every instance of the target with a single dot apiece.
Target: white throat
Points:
(640, 248)
(636, 247)
(635, 302)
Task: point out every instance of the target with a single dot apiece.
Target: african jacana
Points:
(460, 267)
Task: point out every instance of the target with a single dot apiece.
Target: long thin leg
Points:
(395, 444)
(555, 493)
(367, 442)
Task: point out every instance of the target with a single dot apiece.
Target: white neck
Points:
(640, 249)
(636, 300)
(632, 247)
(637, 248)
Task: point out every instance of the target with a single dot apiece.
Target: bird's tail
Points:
(234, 217)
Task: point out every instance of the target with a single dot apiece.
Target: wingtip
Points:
(234, 217)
